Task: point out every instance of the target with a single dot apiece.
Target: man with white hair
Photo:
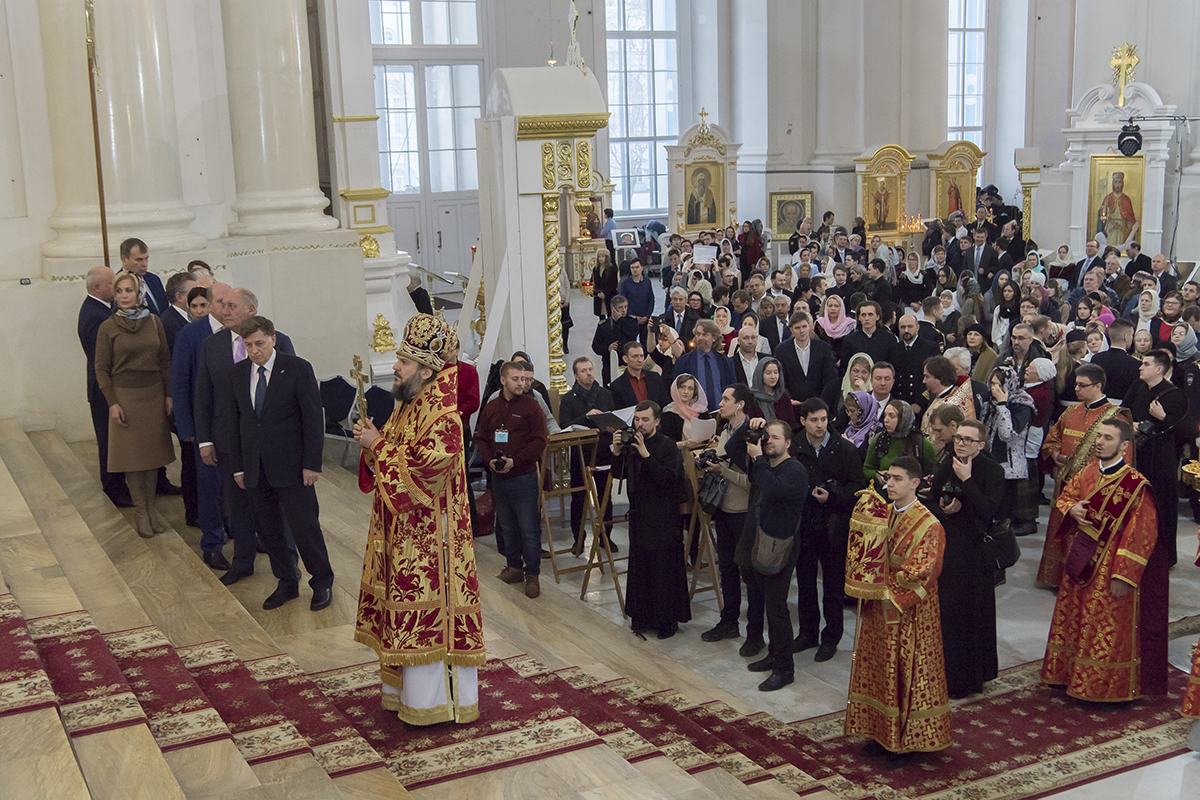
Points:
(681, 318)
(960, 358)
(96, 308)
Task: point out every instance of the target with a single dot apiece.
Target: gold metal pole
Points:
(92, 73)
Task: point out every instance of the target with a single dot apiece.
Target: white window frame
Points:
(682, 9)
(957, 93)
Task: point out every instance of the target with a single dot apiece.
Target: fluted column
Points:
(271, 115)
(138, 135)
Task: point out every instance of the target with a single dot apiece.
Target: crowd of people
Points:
(193, 357)
(953, 380)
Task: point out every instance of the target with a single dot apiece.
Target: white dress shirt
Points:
(803, 354)
(255, 378)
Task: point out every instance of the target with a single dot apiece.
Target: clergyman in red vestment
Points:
(1070, 445)
(1094, 648)
(418, 605)
(898, 694)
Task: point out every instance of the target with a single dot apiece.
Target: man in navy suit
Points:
(713, 370)
(184, 361)
(809, 368)
(96, 308)
(176, 314)
(213, 393)
(135, 258)
(277, 434)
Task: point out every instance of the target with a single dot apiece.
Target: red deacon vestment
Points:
(1094, 647)
(898, 694)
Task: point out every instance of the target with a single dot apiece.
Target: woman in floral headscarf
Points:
(863, 411)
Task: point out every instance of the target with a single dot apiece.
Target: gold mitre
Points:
(426, 340)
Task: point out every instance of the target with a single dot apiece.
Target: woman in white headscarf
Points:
(1147, 310)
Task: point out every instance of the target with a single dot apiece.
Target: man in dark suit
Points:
(678, 316)
(909, 360)
(135, 258)
(878, 287)
(745, 355)
(213, 390)
(276, 428)
(1138, 261)
(1159, 269)
(775, 328)
(1120, 368)
(713, 370)
(982, 260)
(1090, 260)
(184, 360)
(96, 308)
(809, 369)
(174, 319)
(636, 384)
(176, 315)
(871, 338)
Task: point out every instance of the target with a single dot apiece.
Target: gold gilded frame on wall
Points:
(957, 176)
(884, 180)
(1108, 208)
(778, 203)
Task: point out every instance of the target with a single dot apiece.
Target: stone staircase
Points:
(220, 700)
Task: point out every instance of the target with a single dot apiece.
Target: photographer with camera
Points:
(611, 336)
(730, 518)
(511, 437)
(966, 494)
(835, 474)
(766, 551)
(656, 596)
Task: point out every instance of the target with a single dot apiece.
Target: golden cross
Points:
(1123, 61)
(360, 378)
(703, 118)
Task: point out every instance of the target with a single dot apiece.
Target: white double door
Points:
(438, 231)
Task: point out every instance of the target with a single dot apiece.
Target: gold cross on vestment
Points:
(1123, 61)
(360, 378)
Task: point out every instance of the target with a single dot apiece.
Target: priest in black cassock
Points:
(968, 487)
(656, 596)
(1158, 409)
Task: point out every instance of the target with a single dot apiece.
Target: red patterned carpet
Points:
(24, 685)
(92, 692)
(516, 725)
(1022, 740)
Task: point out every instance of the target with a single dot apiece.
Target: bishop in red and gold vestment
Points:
(1070, 445)
(418, 605)
(898, 694)
(1095, 647)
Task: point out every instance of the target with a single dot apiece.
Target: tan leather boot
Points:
(141, 513)
(157, 523)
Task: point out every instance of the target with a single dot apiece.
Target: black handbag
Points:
(710, 493)
(1000, 546)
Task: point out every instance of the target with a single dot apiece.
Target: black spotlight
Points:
(1129, 140)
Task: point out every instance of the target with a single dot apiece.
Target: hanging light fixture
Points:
(1129, 140)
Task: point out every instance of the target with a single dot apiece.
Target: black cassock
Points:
(966, 588)
(656, 596)
(1157, 457)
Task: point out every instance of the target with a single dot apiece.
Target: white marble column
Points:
(271, 115)
(143, 191)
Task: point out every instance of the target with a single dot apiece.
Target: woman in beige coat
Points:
(133, 368)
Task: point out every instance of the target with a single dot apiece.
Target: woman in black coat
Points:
(604, 285)
(966, 588)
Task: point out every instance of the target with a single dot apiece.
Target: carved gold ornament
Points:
(550, 238)
(369, 245)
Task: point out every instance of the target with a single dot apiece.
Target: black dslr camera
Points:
(754, 435)
(497, 462)
(626, 435)
(706, 458)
